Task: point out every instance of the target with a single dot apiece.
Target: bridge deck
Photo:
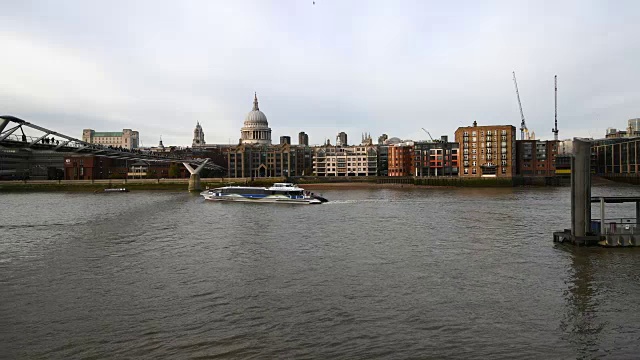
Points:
(65, 144)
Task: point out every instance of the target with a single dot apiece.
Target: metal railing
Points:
(98, 149)
(80, 144)
(52, 140)
(616, 226)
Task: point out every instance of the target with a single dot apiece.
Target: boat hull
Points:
(278, 193)
(260, 200)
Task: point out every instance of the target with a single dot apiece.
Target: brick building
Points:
(90, 167)
(439, 158)
(536, 157)
(487, 151)
(400, 160)
(258, 160)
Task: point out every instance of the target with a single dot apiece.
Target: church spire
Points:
(255, 102)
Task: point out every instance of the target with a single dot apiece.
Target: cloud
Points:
(373, 66)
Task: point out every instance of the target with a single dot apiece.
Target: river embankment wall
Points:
(182, 184)
(454, 181)
(633, 179)
(131, 184)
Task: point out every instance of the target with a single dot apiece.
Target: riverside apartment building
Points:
(536, 157)
(361, 160)
(487, 151)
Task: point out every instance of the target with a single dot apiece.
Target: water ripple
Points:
(383, 273)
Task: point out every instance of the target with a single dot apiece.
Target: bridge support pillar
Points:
(581, 188)
(194, 179)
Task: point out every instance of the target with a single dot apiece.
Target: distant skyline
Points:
(355, 66)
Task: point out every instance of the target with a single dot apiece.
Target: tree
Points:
(174, 172)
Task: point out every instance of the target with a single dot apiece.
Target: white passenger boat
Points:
(286, 193)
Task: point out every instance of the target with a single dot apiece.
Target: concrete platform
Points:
(610, 240)
(565, 237)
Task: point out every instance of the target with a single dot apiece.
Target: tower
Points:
(555, 129)
(303, 139)
(198, 136)
(341, 139)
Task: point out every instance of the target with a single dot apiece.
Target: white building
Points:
(345, 161)
(127, 138)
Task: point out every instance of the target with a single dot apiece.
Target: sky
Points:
(390, 67)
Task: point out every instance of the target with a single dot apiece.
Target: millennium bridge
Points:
(12, 135)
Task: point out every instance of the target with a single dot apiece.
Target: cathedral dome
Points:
(255, 118)
(256, 128)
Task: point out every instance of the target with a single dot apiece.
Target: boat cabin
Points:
(289, 189)
(284, 185)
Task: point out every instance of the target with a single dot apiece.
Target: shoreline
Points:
(364, 185)
(309, 184)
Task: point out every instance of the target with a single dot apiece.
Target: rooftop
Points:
(107, 134)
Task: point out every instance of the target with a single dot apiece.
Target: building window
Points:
(466, 171)
(473, 170)
(504, 132)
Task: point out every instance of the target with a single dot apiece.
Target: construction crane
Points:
(425, 130)
(523, 125)
(555, 130)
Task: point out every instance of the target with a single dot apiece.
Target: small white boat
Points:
(109, 190)
(284, 193)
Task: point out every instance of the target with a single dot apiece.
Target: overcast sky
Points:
(388, 66)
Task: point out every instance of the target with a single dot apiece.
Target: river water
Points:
(375, 273)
